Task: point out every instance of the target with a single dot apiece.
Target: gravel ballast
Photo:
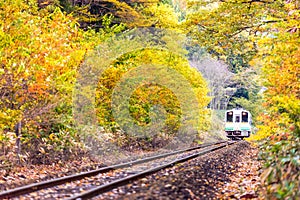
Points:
(230, 173)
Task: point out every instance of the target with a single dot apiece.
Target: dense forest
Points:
(233, 53)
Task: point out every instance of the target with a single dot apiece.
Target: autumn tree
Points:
(280, 53)
(143, 96)
(40, 54)
(90, 13)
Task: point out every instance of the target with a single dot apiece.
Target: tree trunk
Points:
(18, 131)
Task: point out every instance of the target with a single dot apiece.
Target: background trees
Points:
(219, 79)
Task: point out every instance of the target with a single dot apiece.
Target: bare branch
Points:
(253, 26)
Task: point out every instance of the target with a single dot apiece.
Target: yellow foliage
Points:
(280, 55)
(147, 95)
(39, 56)
(162, 16)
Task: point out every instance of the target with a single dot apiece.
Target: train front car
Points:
(237, 123)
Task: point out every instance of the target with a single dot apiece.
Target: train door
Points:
(237, 118)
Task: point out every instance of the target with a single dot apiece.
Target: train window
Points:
(229, 117)
(244, 117)
(237, 118)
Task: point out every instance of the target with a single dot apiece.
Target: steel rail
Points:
(123, 181)
(58, 181)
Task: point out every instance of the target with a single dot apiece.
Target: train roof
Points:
(237, 110)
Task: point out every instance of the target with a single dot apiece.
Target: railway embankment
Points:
(226, 173)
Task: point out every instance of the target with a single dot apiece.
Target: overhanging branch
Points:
(250, 2)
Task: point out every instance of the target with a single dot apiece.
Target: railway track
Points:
(88, 184)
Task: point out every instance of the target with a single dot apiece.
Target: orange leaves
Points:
(39, 53)
(281, 61)
(37, 90)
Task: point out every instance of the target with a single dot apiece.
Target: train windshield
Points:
(229, 117)
(244, 117)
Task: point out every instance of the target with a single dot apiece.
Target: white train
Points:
(237, 123)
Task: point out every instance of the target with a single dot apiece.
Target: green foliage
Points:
(237, 63)
(281, 176)
(248, 94)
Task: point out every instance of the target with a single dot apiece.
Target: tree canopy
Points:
(254, 44)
